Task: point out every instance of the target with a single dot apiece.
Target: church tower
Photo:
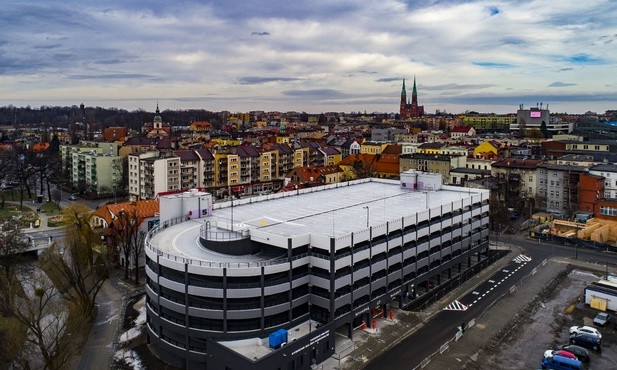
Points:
(407, 109)
(414, 94)
(403, 100)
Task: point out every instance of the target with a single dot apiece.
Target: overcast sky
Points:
(312, 56)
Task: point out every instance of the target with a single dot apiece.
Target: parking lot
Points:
(543, 324)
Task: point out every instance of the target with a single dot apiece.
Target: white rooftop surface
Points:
(334, 212)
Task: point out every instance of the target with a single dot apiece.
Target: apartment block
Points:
(100, 172)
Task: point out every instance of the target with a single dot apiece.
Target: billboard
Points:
(535, 114)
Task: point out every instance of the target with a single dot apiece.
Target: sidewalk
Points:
(42, 216)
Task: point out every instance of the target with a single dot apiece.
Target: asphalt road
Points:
(411, 351)
(96, 353)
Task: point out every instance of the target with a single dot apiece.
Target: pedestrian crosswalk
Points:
(522, 258)
(455, 306)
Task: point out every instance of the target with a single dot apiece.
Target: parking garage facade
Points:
(330, 257)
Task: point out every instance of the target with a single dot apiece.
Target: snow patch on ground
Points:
(141, 307)
(130, 334)
(129, 357)
(138, 323)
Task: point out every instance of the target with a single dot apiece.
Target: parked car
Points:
(587, 340)
(559, 352)
(602, 319)
(72, 197)
(580, 352)
(557, 362)
(585, 330)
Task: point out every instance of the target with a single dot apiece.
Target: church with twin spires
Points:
(410, 110)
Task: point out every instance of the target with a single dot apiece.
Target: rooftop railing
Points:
(197, 262)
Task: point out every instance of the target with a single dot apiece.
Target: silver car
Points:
(602, 319)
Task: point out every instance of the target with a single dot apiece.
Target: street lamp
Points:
(367, 215)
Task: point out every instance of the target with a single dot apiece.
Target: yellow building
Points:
(486, 150)
(370, 147)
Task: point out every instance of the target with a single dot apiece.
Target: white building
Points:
(311, 262)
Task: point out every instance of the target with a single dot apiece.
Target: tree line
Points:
(57, 116)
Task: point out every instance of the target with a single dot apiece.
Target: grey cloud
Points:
(51, 46)
(262, 80)
(257, 33)
(513, 41)
(109, 61)
(316, 93)
(560, 84)
(109, 76)
(389, 79)
(457, 87)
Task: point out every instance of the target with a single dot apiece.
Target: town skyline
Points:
(312, 57)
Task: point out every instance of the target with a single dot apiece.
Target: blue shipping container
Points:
(277, 338)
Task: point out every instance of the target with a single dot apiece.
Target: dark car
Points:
(578, 351)
(587, 340)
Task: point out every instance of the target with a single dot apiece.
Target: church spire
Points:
(414, 91)
(403, 91)
(158, 112)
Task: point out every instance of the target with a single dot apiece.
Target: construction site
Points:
(586, 231)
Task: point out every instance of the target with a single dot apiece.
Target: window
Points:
(608, 211)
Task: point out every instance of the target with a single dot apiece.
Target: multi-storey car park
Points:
(221, 278)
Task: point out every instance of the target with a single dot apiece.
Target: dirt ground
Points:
(543, 324)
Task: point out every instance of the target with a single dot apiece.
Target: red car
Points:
(564, 353)
(559, 352)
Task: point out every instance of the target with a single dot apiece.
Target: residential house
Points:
(152, 173)
(316, 175)
(487, 149)
(431, 148)
(112, 134)
(463, 132)
(436, 163)
(517, 181)
(609, 172)
(558, 188)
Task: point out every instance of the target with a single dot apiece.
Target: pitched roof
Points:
(432, 146)
(330, 150)
(186, 155)
(387, 163)
(462, 129)
(205, 154)
(142, 208)
(140, 140)
(516, 163)
(366, 158)
(392, 149)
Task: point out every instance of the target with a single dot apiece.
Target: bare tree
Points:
(41, 311)
(79, 268)
(362, 169)
(139, 238)
(128, 237)
(12, 244)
